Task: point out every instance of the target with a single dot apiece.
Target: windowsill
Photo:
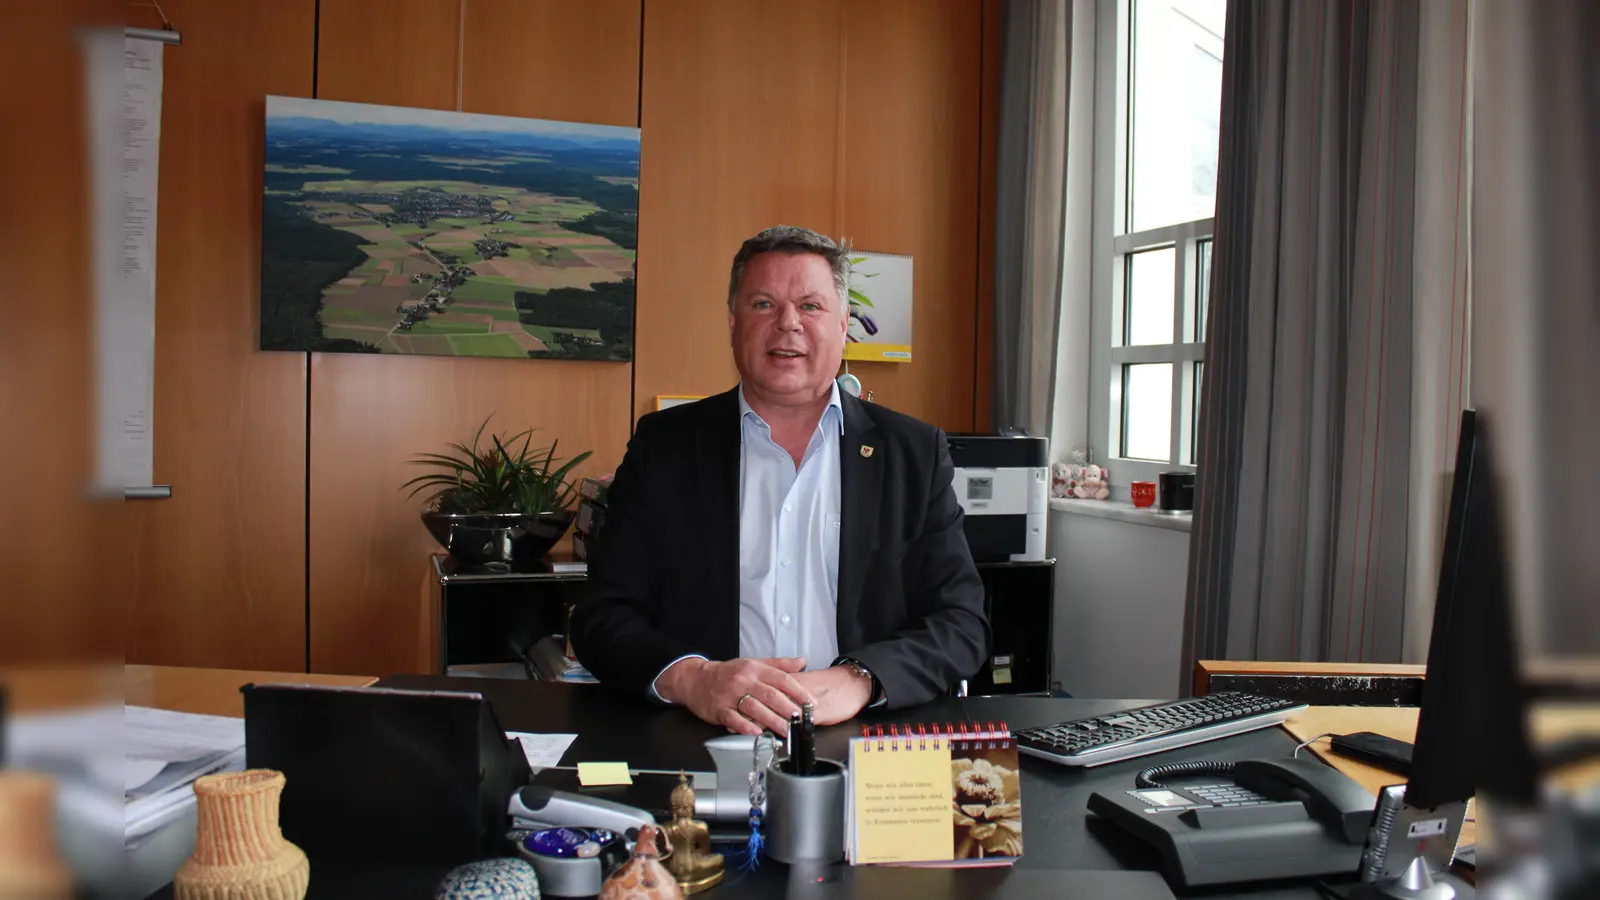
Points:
(1122, 511)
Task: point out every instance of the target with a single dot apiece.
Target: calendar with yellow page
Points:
(948, 796)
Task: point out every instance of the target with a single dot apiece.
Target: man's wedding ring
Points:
(737, 707)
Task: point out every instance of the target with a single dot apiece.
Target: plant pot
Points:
(506, 539)
(239, 852)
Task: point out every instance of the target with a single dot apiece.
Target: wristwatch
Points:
(860, 670)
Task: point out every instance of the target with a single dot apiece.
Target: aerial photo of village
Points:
(389, 230)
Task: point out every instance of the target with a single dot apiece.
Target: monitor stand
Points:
(1417, 882)
(1410, 850)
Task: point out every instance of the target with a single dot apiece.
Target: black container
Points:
(1175, 492)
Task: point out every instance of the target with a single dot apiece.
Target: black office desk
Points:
(1060, 839)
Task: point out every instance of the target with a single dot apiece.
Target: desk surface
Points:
(1065, 846)
(1061, 840)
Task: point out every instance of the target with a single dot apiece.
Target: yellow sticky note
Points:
(596, 773)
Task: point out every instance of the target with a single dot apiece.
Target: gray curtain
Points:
(1536, 296)
(1030, 209)
(1302, 542)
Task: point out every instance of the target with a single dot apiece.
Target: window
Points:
(1158, 100)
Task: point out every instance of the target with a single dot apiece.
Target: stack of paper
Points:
(164, 752)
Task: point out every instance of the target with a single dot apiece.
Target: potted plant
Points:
(490, 506)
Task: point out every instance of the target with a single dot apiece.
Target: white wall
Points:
(1119, 601)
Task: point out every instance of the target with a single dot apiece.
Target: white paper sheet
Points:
(147, 812)
(543, 750)
(180, 747)
(161, 734)
(136, 773)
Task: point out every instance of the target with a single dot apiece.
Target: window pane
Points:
(1147, 318)
(1202, 288)
(1194, 415)
(1147, 411)
(1175, 99)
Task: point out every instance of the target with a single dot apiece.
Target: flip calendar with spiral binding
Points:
(933, 796)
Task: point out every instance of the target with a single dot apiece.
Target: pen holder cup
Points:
(805, 813)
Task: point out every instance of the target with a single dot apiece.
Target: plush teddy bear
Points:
(1060, 480)
(1093, 483)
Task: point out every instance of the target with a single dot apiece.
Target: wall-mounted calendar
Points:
(880, 308)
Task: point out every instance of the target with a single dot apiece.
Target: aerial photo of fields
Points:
(389, 230)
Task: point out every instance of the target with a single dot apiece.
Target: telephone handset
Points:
(1331, 796)
(1265, 818)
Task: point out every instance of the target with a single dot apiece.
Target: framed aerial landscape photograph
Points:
(408, 231)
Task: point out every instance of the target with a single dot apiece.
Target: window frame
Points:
(1108, 355)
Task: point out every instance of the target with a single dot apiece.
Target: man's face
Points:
(788, 326)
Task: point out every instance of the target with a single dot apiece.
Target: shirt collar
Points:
(834, 408)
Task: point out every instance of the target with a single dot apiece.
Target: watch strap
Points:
(858, 666)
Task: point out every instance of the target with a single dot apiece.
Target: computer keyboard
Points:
(1113, 737)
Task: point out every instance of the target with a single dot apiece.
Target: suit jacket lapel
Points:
(860, 485)
(718, 469)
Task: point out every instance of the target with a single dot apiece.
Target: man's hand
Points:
(840, 693)
(744, 695)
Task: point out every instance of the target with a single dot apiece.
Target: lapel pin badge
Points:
(866, 451)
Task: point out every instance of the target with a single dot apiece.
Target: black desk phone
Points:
(1271, 818)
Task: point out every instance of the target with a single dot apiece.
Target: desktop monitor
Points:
(1470, 731)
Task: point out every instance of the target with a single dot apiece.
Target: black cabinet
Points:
(1019, 599)
(489, 616)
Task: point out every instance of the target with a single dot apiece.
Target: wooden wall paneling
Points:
(55, 546)
(222, 577)
(740, 112)
(909, 185)
(989, 125)
(370, 414)
(554, 59)
(389, 52)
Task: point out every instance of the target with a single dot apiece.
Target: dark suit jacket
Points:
(664, 571)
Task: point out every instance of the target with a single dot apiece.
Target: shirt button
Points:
(788, 507)
(787, 561)
(785, 620)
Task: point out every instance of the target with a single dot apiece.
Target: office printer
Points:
(1003, 484)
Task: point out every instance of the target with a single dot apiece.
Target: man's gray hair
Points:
(795, 239)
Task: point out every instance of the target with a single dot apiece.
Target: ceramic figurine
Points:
(30, 864)
(692, 863)
(642, 877)
(239, 851)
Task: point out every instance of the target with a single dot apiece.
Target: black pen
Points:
(805, 745)
(794, 742)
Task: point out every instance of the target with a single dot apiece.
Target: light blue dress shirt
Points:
(789, 525)
(789, 540)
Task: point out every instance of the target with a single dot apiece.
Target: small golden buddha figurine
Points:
(692, 863)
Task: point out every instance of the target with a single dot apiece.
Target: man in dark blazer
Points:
(783, 542)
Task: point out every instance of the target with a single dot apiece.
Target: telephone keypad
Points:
(1226, 795)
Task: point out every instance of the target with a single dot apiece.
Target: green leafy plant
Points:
(493, 479)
